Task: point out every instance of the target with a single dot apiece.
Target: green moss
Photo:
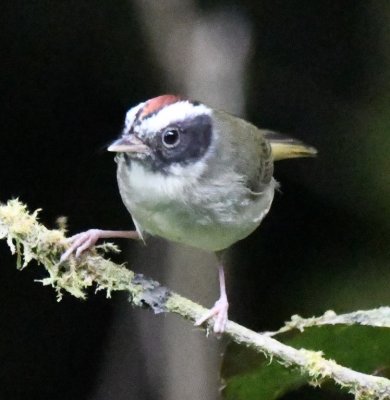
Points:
(30, 240)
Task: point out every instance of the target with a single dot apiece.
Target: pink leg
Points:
(220, 309)
(85, 240)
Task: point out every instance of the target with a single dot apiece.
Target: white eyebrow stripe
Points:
(172, 113)
(131, 114)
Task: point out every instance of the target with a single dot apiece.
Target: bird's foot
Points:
(85, 240)
(81, 242)
(220, 314)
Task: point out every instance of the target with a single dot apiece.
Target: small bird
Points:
(194, 175)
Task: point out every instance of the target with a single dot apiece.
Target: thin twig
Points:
(379, 317)
(32, 241)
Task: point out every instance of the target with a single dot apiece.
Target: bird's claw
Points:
(81, 242)
(220, 314)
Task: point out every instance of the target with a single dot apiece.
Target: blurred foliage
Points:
(249, 376)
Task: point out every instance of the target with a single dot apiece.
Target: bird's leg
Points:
(85, 240)
(220, 309)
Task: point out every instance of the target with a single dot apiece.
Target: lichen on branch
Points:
(30, 240)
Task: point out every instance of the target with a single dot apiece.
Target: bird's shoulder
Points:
(247, 147)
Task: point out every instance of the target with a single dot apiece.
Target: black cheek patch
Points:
(195, 139)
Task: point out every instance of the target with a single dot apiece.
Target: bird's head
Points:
(166, 133)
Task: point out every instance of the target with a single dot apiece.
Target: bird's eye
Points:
(171, 138)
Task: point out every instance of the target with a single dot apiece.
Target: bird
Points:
(194, 175)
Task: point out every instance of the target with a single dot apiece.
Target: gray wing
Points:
(247, 149)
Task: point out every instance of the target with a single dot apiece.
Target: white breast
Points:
(180, 208)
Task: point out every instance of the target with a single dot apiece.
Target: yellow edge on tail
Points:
(284, 147)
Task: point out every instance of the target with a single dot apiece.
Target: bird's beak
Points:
(128, 144)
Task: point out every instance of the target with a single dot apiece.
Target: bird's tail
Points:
(285, 147)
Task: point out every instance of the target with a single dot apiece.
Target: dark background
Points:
(319, 71)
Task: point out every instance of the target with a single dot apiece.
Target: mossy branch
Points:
(30, 240)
